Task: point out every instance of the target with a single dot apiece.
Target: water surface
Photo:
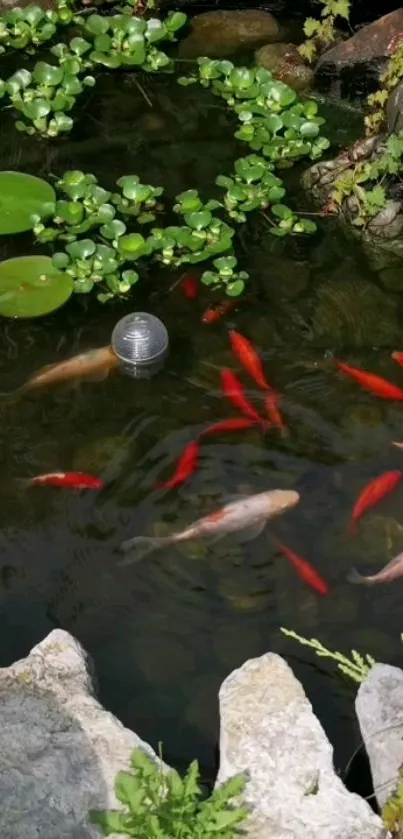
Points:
(166, 632)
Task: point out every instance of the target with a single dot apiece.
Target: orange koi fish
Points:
(234, 391)
(93, 364)
(375, 384)
(186, 467)
(215, 313)
(305, 570)
(247, 355)
(377, 489)
(233, 424)
(246, 513)
(272, 401)
(398, 356)
(68, 480)
(190, 286)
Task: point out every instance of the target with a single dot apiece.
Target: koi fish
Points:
(186, 467)
(398, 445)
(398, 356)
(215, 313)
(243, 514)
(374, 491)
(271, 401)
(305, 570)
(375, 384)
(67, 480)
(392, 571)
(234, 391)
(190, 286)
(247, 355)
(95, 364)
(233, 424)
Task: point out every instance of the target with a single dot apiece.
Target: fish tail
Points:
(140, 546)
(354, 577)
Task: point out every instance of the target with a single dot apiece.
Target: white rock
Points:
(59, 749)
(379, 708)
(268, 728)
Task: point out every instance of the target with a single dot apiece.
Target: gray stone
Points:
(59, 749)
(394, 110)
(269, 730)
(379, 708)
(219, 34)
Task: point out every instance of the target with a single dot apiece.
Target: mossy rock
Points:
(220, 34)
(286, 64)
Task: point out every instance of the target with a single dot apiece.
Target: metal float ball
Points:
(141, 343)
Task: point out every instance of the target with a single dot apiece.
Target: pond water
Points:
(164, 633)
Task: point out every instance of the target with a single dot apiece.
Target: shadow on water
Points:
(166, 632)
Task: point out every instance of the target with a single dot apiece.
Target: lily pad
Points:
(31, 286)
(21, 196)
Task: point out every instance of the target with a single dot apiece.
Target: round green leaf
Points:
(113, 229)
(236, 288)
(37, 109)
(47, 74)
(21, 196)
(70, 211)
(81, 249)
(309, 129)
(198, 221)
(133, 246)
(97, 25)
(31, 286)
(175, 21)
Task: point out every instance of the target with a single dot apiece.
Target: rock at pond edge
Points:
(60, 750)
(286, 64)
(379, 708)
(220, 34)
(269, 730)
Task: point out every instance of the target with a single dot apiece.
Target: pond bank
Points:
(60, 750)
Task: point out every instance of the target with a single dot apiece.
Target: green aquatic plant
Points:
(160, 804)
(357, 667)
(29, 27)
(99, 229)
(21, 196)
(32, 286)
(389, 79)
(320, 34)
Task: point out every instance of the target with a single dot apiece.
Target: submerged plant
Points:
(357, 667)
(160, 804)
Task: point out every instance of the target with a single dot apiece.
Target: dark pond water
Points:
(166, 632)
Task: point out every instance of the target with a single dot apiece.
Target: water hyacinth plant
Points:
(104, 236)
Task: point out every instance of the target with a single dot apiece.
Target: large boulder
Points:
(370, 43)
(379, 708)
(269, 731)
(220, 34)
(59, 749)
(286, 64)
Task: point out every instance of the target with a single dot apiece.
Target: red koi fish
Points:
(233, 390)
(398, 356)
(215, 313)
(186, 467)
(305, 570)
(247, 355)
(68, 480)
(375, 384)
(190, 286)
(233, 424)
(374, 491)
(272, 401)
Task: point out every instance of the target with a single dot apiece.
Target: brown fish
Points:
(246, 516)
(392, 571)
(94, 364)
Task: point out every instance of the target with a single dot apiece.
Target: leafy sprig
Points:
(321, 33)
(356, 668)
(160, 804)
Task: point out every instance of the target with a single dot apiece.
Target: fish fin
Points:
(354, 577)
(141, 546)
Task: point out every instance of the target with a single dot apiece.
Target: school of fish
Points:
(247, 515)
